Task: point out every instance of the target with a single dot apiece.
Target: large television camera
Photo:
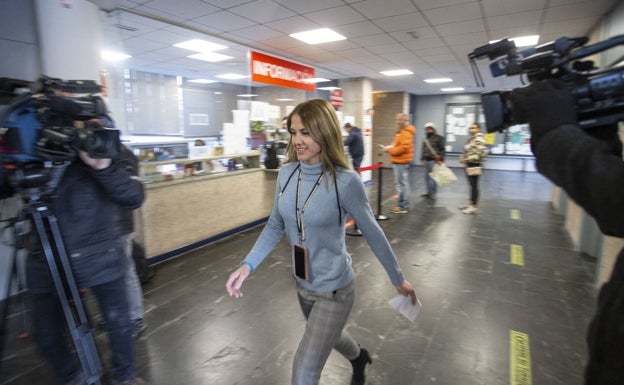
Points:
(45, 127)
(599, 94)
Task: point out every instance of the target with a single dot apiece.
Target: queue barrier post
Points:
(354, 231)
(379, 216)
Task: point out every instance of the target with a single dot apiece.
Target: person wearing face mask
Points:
(316, 190)
(432, 153)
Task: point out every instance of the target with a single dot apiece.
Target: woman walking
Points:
(316, 190)
(473, 157)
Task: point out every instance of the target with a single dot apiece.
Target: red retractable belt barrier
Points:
(371, 167)
(354, 230)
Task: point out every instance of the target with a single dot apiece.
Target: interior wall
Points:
(613, 26)
(18, 41)
(386, 106)
(432, 108)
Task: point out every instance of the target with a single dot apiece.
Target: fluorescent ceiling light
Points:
(113, 56)
(200, 45)
(328, 88)
(284, 100)
(210, 56)
(247, 95)
(231, 76)
(318, 36)
(315, 80)
(397, 72)
(438, 80)
(522, 41)
(452, 89)
(202, 81)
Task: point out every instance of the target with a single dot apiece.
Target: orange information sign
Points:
(279, 72)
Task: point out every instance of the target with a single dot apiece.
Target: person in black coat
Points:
(432, 153)
(588, 165)
(355, 143)
(129, 162)
(86, 203)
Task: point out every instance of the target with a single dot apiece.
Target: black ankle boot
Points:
(359, 365)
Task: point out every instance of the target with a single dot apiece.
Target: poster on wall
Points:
(459, 118)
(518, 140)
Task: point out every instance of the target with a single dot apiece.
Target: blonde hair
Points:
(319, 119)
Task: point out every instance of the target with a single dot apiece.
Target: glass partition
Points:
(168, 88)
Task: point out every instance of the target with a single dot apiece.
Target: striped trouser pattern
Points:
(326, 314)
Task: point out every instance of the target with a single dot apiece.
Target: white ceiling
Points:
(432, 38)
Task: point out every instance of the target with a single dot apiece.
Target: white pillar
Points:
(70, 36)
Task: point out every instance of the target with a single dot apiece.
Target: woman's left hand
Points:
(406, 289)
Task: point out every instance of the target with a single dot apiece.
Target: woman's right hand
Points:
(407, 290)
(235, 281)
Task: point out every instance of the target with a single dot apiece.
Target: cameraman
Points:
(588, 165)
(86, 203)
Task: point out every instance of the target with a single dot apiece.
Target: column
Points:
(70, 37)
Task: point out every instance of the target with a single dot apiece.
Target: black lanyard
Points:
(299, 213)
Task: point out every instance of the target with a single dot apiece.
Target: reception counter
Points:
(180, 214)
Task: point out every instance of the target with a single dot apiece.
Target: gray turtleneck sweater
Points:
(323, 221)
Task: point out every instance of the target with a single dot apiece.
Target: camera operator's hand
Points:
(545, 105)
(608, 134)
(97, 164)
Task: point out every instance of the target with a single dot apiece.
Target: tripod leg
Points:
(19, 274)
(14, 268)
(81, 334)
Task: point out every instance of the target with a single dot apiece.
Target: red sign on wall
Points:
(279, 72)
(335, 98)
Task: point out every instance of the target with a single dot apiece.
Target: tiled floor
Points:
(459, 264)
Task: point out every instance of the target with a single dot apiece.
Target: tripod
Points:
(60, 270)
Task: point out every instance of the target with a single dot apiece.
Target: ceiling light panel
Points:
(113, 56)
(231, 76)
(397, 72)
(200, 45)
(318, 36)
(438, 80)
(210, 57)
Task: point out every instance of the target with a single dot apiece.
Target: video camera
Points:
(599, 94)
(46, 126)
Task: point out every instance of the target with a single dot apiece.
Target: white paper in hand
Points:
(403, 305)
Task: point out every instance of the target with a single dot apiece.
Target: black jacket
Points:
(128, 162)
(437, 143)
(86, 206)
(593, 176)
(355, 142)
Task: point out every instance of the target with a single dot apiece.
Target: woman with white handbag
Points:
(473, 157)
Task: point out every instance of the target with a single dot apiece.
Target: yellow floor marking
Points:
(517, 254)
(519, 359)
(515, 214)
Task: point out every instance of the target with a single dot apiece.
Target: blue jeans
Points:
(133, 284)
(357, 161)
(51, 332)
(432, 186)
(401, 183)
